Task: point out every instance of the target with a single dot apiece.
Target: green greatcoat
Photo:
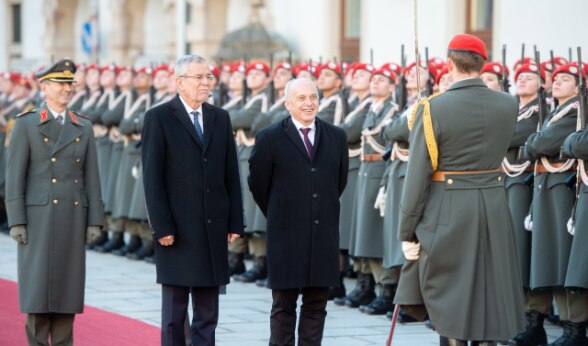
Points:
(331, 109)
(366, 235)
(352, 125)
(395, 132)
(467, 272)
(553, 200)
(129, 126)
(53, 188)
(519, 189)
(576, 145)
(241, 120)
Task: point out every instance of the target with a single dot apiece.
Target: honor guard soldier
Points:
(454, 220)
(54, 206)
(257, 79)
(93, 86)
(277, 112)
(553, 200)
(81, 90)
(443, 80)
(519, 185)
(329, 82)
(352, 124)
(491, 75)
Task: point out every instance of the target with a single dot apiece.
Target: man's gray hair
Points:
(181, 67)
(298, 80)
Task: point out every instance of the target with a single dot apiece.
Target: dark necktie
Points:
(60, 119)
(307, 143)
(199, 131)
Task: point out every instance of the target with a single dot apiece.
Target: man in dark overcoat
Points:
(54, 206)
(298, 170)
(193, 195)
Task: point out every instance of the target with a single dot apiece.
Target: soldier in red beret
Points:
(329, 82)
(491, 75)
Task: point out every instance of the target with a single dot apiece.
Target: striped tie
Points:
(199, 131)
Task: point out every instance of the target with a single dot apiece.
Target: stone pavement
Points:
(128, 288)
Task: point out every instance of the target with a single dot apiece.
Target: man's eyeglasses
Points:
(199, 78)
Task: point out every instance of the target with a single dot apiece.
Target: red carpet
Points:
(94, 327)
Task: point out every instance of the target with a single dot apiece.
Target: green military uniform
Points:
(331, 109)
(464, 272)
(519, 193)
(77, 100)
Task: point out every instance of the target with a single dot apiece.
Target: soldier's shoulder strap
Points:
(427, 128)
(26, 112)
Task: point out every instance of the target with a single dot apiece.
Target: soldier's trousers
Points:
(238, 246)
(38, 327)
(257, 245)
(383, 276)
(572, 305)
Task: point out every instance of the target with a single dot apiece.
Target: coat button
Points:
(205, 160)
(313, 169)
(55, 201)
(316, 222)
(499, 178)
(315, 195)
(75, 181)
(208, 190)
(76, 203)
(77, 139)
(54, 180)
(53, 159)
(46, 140)
(449, 181)
(209, 221)
(78, 160)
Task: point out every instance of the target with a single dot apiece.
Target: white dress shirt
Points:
(190, 110)
(310, 133)
(55, 115)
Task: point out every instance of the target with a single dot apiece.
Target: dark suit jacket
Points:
(300, 199)
(192, 191)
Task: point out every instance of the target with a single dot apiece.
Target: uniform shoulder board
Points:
(26, 112)
(80, 115)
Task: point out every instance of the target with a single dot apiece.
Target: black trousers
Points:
(312, 316)
(173, 314)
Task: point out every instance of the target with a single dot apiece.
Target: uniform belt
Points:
(371, 157)
(539, 168)
(440, 175)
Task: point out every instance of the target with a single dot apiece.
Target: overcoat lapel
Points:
(183, 117)
(292, 133)
(70, 131)
(208, 123)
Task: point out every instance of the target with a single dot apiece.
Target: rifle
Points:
(222, 88)
(570, 54)
(429, 85)
(552, 61)
(402, 96)
(244, 92)
(272, 88)
(372, 56)
(523, 54)
(504, 82)
(540, 93)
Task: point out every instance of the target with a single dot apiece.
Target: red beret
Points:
(519, 62)
(469, 43)
(331, 66)
(92, 67)
(494, 67)
(145, 69)
(25, 82)
(529, 68)
(362, 66)
(13, 77)
(162, 67)
(440, 74)
(238, 67)
(111, 67)
(284, 66)
(259, 66)
(386, 72)
(349, 67)
(214, 70)
(437, 62)
(306, 67)
(569, 68)
(392, 66)
(226, 67)
(432, 69)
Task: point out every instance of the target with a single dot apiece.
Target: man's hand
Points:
(411, 250)
(19, 234)
(167, 240)
(231, 237)
(92, 233)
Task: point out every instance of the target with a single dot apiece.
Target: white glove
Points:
(92, 233)
(381, 201)
(571, 226)
(19, 234)
(411, 250)
(529, 223)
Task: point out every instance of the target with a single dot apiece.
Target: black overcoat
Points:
(300, 199)
(192, 191)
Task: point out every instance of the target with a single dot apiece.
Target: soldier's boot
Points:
(258, 272)
(115, 242)
(483, 343)
(574, 334)
(383, 304)
(264, 283)
(133, 245)
(444, 341)
(354, 292)
(236, 264)
(101, 240)
(365, 295)
(337, 292)
(145, 250)
(534, 333)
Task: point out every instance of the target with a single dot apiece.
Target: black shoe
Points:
(101, 240)
(429, 324)
(115, 242)
(236, 264)
(258, 272)
(366, 294)
(149, 259)
(403, 317)
(574, 334)
(146, 250)
(262, 283)
(443, 341)
(133, 245)
(383, 304)
(534, 333)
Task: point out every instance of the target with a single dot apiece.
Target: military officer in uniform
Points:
(454, 221)
(54, 207)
